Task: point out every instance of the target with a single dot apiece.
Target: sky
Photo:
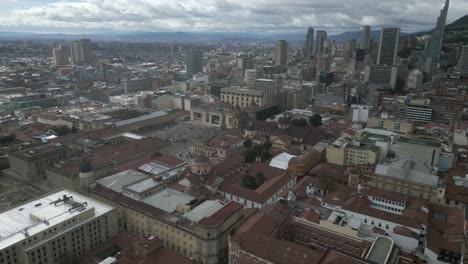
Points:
(266, 16)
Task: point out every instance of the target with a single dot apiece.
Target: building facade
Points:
(31, 164)
(194, 61)
(388, 47)
(242, 97)
(56, 228)
(281, 53)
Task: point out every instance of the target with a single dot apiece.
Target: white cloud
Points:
(226, 15)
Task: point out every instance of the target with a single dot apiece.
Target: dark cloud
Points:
(223, 15)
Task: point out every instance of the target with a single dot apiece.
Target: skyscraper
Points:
(366, 38)
(320, 39)
(59, 56)
(86, 50)
(309, 43)
(431, 54)
(323, 64)
(81, 51)
(281, 53)
(194, 61)
(464, 61)
(388, 46)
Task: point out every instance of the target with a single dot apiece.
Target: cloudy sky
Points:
(275, 16)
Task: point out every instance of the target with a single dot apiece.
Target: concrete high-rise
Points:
(366, 38)
(59, 56)
(281, 53)
(55, 228)
(323, 64)
(194, 61)
(81, 51)
(431, 55)
(250, 76)
(319, 40)
(463, 62)
(388, 46)
(309, 44)
(269, 88)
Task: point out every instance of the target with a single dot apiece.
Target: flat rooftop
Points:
(380, 250)
(41, 214)
(168, 199)
(154, 168)
(206, 209)
(117, 181)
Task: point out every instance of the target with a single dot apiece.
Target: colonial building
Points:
(409, 176)
(32, 164)
(243, 97)
(194, 226)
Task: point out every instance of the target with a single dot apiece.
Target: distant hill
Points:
(459, 24)
(455, 32)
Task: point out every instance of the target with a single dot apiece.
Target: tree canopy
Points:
(315, 120)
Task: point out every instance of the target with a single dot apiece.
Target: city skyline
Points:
(88, 16)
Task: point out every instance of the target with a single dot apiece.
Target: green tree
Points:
(315, 120)
(249, 156)
(7, 139)
(265, 155)
(301, 122)
(248, 143)
(249, 182)
(260, 178)
(74, 129)
(62, 130)
(267, 145)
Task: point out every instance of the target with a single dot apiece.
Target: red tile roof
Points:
(401, 230)
(168, 160)
(277, 251)
(310, 215)
(262, 193)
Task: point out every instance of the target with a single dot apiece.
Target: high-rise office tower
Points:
(269, 88)
(81, 51)
(319, 40)
(309, 43)
(323, 64)
(59, 56)
(75, 52)
(366, 38)
(86, 50)
(245, 63)
(431, 53)
(194, 61)
(388, 46)
(281, 53)
(464, 61)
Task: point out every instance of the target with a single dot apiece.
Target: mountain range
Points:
(456, 31)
